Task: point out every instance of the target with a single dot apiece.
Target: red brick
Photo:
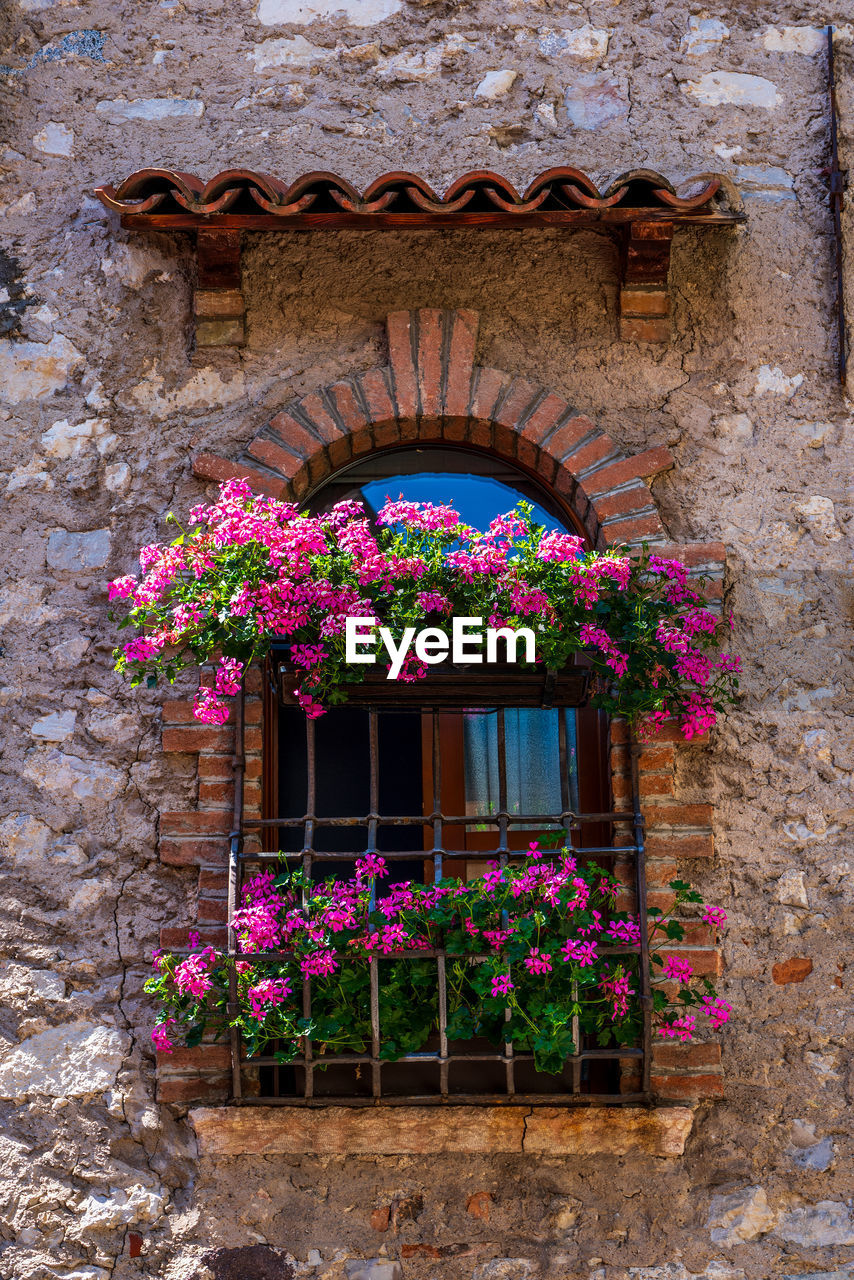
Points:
(211, 911)
(640, 300)
(314, 408)
(253, 680)
(630, 530)
(299, 486)
(198, 737)
(253, 739)
(656, 756)
(655, 784)
(190, 853)
(402, 363)
(135, 1242)
(698, 934)
(178, 711)
(195, 823)
(347, 406)
(204, 1057)
(688, 815)
(588, 454)
(546, 415)
(215, 794)
(795, 970)
(531, 455)
(176, 938)
(200, 1090)
(254, 767)
(504, 439)
(429, 372)
(661, 899)
(381, 410)
(207, 466)
(683, 846)
(695, 555)
(568, 436)
(649, 463)
(685, 1087)
(636, 329)
(338, 453)
(461, 353)
(685, 1056)
(516, 403)
(704, 962)
(253, 712)
(212, 881)
(380, 1217)
(274, 456)
(488, 386)
(478, 1204)
(213, 767)
(624, 502)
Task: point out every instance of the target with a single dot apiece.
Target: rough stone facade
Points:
(104, 403)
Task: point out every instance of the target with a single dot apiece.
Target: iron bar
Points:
(238, 764)
(420, 820)
(645, 994)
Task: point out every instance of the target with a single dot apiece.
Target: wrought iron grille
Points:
(261, 1079)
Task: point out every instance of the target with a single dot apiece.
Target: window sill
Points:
(403, 1130)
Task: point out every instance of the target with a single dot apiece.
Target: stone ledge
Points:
(390, 1131)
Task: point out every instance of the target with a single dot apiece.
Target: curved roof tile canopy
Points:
(327, 196)
(432, 389)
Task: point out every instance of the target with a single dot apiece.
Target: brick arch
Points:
(432, 390)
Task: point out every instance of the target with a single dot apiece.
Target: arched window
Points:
(438, 790)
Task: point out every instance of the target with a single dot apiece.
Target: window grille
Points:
(508, 1073)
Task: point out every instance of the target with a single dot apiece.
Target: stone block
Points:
(78, 551)
(70, 1061)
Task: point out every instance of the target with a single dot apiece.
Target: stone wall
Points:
(104, 402)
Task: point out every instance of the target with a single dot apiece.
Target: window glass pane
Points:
(532, 750)
(479, 486)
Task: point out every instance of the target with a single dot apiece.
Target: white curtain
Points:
(533, 761)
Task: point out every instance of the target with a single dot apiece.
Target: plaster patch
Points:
(806, 40)
(827, 1223)
(773, 380)
(55, 727)
(721, 88)
(68, 440)
(743, 1216)
(71, 777)
(204, 390)
(593, 99)
(357, 13)
(24, 603)
(704, 35)
(55, 140)
(64, 1062)
(295, 52)
(819, 515)
(152, 110)
(586, 43)
(495, 84)
(35, 370)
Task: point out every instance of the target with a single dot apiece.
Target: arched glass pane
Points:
(478, 485)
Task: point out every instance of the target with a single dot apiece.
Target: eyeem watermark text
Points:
(469, 641)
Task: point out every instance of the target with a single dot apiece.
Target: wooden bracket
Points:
(218, 304)
(644, 296)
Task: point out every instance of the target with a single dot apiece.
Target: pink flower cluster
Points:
(256, 569)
